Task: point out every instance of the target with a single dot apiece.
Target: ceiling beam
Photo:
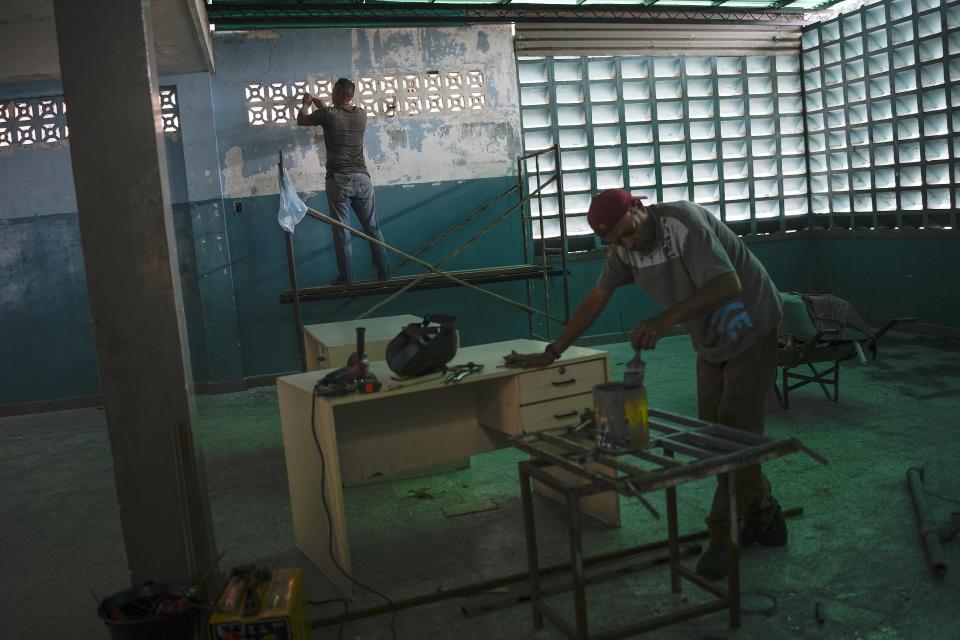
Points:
(239, 15)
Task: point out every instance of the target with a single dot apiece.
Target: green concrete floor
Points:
(856, 550)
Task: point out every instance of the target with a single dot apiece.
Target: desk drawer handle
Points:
(561, 383)
(568, 414)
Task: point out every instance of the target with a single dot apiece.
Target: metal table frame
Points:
(707, 450)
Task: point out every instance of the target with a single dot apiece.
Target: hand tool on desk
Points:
(459, 372)
(354, 376)
(401, 383)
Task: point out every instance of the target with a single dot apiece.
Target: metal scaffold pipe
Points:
(313, 213)
(463, 221)
(292, 272)
(446, 259)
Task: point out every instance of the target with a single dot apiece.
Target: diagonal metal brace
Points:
(313, 213)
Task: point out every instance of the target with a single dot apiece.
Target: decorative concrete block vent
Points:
(42, 121)
(381, 96)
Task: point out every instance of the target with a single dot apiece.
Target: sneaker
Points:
(339, 281)
(774, 535)
(713, 563)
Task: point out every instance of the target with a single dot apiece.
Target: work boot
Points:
(712, 565)
(773, 535)
(339, 281)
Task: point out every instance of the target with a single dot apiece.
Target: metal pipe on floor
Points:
(687, 551)
(516, 578)
(495, 583)
(928, 530)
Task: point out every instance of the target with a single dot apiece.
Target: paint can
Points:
(621, 416)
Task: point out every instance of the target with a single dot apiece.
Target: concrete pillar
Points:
(109, 79)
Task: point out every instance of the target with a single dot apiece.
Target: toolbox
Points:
(257, 604)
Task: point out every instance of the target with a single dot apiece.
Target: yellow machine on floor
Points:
(257, 604)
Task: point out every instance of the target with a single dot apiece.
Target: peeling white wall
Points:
(301, 164)
(460, 145)
(403, 149)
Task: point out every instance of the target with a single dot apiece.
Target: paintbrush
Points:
(634, 369)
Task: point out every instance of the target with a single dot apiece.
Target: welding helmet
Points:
(424, 347)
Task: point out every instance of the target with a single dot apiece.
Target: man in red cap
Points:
(705, 279)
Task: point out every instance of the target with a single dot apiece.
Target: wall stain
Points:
(387, 45)
(441, 44)
(398, 136)
(470, 144)
(261, 34)
(363, 49)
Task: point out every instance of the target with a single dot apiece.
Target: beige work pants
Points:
(734, 393)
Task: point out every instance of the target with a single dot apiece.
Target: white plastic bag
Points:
(292, 208)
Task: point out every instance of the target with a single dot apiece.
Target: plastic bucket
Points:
(150, 612)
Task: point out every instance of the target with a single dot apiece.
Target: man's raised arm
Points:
(303, 116)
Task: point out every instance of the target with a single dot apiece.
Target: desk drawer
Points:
(554, 413)
(560, 381)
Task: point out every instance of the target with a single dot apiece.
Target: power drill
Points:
(355, 376)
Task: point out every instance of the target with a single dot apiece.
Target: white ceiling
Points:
(28, 39)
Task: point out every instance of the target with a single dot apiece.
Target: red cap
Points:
(607, 209)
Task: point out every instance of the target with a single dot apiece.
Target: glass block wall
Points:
(882, 100)
(726, 132)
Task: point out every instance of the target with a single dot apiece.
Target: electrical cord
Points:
(346, 611)
(326, 508)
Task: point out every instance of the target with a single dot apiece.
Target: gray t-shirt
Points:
(343, 129)
(691, 248)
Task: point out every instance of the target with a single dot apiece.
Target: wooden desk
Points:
(329, 345)
(417, 426)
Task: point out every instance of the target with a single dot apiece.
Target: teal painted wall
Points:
(892, 277)
(786, 259)
(45, 335)
(45, 323)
